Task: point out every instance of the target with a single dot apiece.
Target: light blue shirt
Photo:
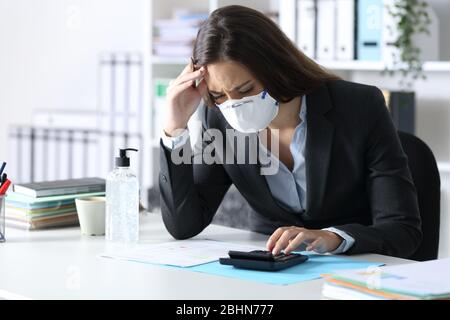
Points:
(288, 188)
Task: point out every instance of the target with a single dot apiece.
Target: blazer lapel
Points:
(255, 181)
(318, 148)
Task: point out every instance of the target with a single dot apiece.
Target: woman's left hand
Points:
(289, 238)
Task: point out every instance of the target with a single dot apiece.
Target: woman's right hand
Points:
(183, 98)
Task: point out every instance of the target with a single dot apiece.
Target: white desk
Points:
(62, 264)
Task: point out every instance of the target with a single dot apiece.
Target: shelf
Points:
(169, 60)
(336, 65)
(443, 66)
(444, 167)
(429, 66)
(352, 65)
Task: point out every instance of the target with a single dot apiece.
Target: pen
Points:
(4, 187)
(2, 168)
(3, 179)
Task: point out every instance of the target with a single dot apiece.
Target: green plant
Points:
(412, 18)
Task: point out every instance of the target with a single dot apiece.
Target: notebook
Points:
(60, 187)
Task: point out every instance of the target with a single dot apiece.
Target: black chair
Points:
(425, 174)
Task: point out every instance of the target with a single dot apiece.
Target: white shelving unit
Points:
(169, 67)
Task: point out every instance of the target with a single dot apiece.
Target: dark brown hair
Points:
(249, 37)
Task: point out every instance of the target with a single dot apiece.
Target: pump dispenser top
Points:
(122, 160)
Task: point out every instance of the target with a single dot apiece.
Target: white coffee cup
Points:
(91, 214)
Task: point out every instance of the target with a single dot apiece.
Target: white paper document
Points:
(185, 253)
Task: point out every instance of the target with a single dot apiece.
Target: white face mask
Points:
(250, 114)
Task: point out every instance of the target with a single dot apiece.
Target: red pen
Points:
(4, 187)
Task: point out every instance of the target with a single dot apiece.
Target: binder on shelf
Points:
(389, 34)
(52, 151)
(369, 34)
(65, 155)
(25, 149)
(57, 132)
(402, 107)
(159, 103)
(306, 27)
(345, 29)
(287, 19)
(105, 153)
(92, 154)
(40, 154)
(326, 37)
(119, 86)
(14, 156)
(79, 147)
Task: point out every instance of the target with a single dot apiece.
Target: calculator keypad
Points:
(279, 257)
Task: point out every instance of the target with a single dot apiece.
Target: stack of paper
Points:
(186, 253)
(421, 280)
(31, 213)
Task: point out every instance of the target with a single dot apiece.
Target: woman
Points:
(342, 183)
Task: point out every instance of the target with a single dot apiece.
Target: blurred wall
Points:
(49, 51)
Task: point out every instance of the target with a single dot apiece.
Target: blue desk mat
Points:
(309, 270)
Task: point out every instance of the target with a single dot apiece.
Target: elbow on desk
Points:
(179, 229)
(410, 235)
(180, 233)
(407, 245)
(417, 237)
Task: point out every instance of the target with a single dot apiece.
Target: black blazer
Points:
(358, 178)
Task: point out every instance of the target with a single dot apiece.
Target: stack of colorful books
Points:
(49, 204)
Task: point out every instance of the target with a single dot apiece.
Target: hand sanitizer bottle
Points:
(122, 201)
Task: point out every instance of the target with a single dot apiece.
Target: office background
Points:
(92, 73)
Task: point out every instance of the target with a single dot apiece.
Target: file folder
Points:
(389, 34)
(345, 29)
(326, 17)
(369, 35)
(306, 27)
